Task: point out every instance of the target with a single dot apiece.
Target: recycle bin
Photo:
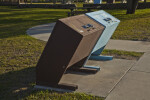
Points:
(71, 41)
(109, 22)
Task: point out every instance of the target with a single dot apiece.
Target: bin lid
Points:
(82, 24)
(103, 18)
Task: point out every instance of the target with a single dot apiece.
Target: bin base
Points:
(92, 67)
(101, 58)
(86, 69)
(59, 87)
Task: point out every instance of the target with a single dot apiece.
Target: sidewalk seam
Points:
(121, 79)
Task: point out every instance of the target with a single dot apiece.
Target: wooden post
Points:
(18, 2)
(10, 2)
(131, 6)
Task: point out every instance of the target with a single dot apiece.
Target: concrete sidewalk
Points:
(135, 85)
(118, 79)
(42, 32)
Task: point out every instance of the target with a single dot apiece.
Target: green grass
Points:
(123, 54)
(133, 26)
(19, 52)
(55, 96)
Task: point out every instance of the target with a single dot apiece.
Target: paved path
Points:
(43, 32)
(135, 85)
(118, 79)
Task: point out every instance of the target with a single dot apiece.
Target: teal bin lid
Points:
(103, 18)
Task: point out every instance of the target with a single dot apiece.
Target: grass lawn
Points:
(133, 27)
(19, 53)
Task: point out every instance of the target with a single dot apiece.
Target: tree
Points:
(131, 6)
(54, 1)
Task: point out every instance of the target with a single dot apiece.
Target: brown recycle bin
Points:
(71, 41)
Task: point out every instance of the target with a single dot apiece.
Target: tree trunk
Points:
(144, 1)
(131, 6)
(54, 1)
(63, 1)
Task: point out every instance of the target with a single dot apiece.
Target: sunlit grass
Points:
(130, 55)
(36, 95)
